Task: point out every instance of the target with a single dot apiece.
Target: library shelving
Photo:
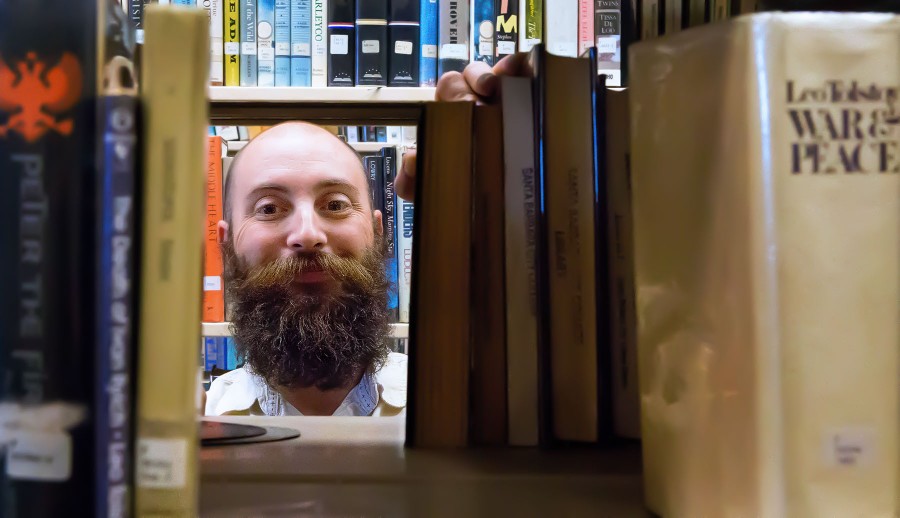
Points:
(398, 330)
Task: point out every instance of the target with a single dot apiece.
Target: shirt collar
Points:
(360, 401)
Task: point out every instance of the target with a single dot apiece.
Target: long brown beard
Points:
(296, 338)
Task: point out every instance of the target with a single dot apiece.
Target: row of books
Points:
(100, 252)
(393, 42)
(397, 217)
(397, 135)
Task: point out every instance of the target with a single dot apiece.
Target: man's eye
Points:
(267, 209)
(337, 205)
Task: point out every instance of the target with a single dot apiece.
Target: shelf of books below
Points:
(224, 329)
(360, 94)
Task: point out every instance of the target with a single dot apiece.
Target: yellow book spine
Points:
(232, 44)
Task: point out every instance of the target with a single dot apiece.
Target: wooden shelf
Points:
(357, 466)
(222, 329)
(385, 106)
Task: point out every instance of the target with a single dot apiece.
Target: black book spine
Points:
(47, 172)
(403, 43)
(116, 281)
(341, 43)
(371, 42)
(389, 219)
(374, 168)
(507, 31)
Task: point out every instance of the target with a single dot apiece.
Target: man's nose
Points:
(306, 234)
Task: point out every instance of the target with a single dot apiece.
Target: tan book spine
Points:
(175, 72)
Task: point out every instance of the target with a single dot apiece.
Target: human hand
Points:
(478, 83)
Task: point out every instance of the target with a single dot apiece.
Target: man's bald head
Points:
(287, 136)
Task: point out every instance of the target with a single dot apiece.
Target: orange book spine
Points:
(213, 289)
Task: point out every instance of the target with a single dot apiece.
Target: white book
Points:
(404, 216)
(561, 29)
(319, 43)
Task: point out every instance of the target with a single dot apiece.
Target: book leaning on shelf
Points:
(766, 221)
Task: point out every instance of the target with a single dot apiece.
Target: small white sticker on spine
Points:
(162, 463)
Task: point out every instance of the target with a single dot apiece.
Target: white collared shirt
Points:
(242, 392)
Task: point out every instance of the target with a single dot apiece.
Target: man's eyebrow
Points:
(268, 187)
(337, 182)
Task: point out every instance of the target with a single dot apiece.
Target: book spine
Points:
(136, 15)
(389, 219)
(562, 29)
(585, 25)
(404, 43)
(649, 19)
(282, 43)
(428, 42)
(404, 256)
(608, 29)
(453, 34)
(371, 42)
(265, 42)
(216, 25)
(531, 31)
(483, 34)
(673, 19)
(249, 76)
(320, 43)
(341, 43)
(507, 33)
(213, 288)
(301, 43)
(210, 354)
(232, 44)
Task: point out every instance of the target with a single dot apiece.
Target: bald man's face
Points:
(299, 192)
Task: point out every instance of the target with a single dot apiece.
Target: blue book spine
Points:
(483, 34)
(248, 43)
(212, 353)
(389, 218)
(116, 278)
(265, 42)
(184, 2)
(282, 42)
(301, 42)
(230, 354)
(404, 256)
(428, 43)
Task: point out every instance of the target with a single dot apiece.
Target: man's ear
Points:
(379, 224)
(222, 231)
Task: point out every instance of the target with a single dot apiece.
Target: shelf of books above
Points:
(224, 329)
(291, 94)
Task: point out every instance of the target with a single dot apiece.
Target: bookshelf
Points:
(223, 329)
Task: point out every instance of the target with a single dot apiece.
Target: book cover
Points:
(282, 42)
(453, 36)
(265, 42)
(389, 219)
(341, 43)
(232, 44)
(216, 41)
(403, 43)
(428, 42)
(301, 42)
(782, 244)
(405, 214)
(213, 287)
(483, 16)
(249, 73)
(320, 43)
(507, 33)
(531, 24)
(374, 165)
(608, 31)
(371, 42)
(48, 146)
(175, 69)
(585, 25)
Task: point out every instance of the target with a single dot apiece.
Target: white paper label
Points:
(139, 36)
(454, 51)
(232, 48)
(429, 51)
(282, 48)
(403, 47)
(851, 447)
(40, 456)
(485, 49)
(162, 463)
(506, 47)
(300, 49)
(266, 51)
(339, 44)
(613, 77)
(370, 46)
(606, 44)
(212, 283)
(528, 43)
(248, 48)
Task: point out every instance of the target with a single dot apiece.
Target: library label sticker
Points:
(232, 48)
(339, 44)
(403, 47)
(212, 283)
(606, 44)
(454, 51)
(852, 447)
(282, 48)
(161, 463)
(300, 49)
(248, 48)
(429, 51)
(40, 456)
(506, 47)
(266, 51)
(485, 48)
(370, 46)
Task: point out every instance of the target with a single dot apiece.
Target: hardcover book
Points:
(405, 215)
(483, 16)
(213, 287)
(249, 71)
(531, 23)
(341, 40)
(428, 42)
(265, 42)
(320, 43)
(301, 42)
(371, 42)
(507, 33)
(282, 42)
(766, 270)
(608, 31)
(232, 45)
(453, 34)
(216, 27)
(389, 219)
(403, 43)
(561, 30)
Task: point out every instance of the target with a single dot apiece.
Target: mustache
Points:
(284, 271)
